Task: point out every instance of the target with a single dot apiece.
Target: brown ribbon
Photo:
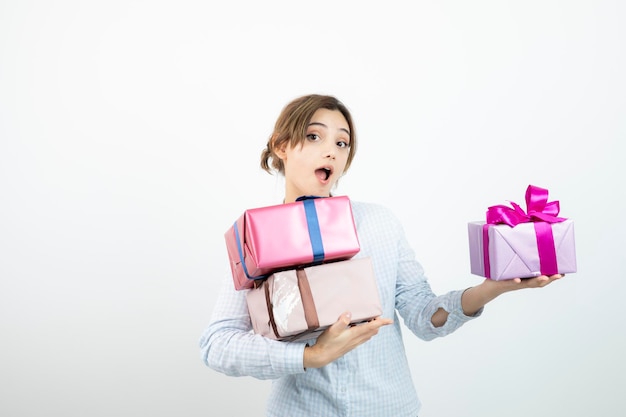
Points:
(310, 312)
(270, 307)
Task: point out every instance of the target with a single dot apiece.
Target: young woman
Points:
(348, 370)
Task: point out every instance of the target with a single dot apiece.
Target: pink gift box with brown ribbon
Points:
(513, 243)
(300, 303)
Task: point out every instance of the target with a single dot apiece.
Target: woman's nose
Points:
(329, 152)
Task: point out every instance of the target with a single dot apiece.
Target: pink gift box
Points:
(308, 232)
(513, 243)
(301, 303)
(513, 251)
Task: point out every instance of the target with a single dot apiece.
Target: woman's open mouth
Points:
(323, 174)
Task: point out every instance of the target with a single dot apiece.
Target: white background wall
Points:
(130, 133)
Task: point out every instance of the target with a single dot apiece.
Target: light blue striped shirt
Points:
(372, 380)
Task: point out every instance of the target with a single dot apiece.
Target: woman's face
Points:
(315, 167)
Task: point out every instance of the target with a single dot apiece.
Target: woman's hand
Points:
(475, 298)
(339, 339)
(534, 282)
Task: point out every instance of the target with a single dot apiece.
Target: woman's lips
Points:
(323, 174)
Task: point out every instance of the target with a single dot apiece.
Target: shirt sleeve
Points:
(228, 344)
(415, 301)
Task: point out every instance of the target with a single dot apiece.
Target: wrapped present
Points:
(513, 243)
(306, 232)
(301, 303)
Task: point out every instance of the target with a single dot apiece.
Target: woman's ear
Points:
(280, 152)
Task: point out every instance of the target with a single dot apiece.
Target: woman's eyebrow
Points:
(323, 125)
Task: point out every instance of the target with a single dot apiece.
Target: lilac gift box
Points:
(513, 252)
(310, 231)
(513, 243)
(301, 303)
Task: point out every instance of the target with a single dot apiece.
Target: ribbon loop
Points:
(537, 209)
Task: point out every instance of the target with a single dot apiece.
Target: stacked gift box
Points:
(513, 243)
(296, 260)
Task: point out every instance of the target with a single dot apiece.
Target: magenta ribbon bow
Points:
(538, 211)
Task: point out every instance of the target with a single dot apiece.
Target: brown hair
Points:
(291, 125)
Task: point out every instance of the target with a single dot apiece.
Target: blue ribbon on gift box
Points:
(315, 234)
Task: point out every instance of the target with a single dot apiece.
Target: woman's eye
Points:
(312, 136)
(343, 144)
